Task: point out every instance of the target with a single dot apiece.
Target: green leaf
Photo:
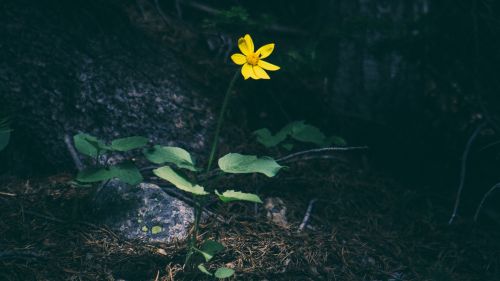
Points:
(265, 137)
(94, 175)
(169, 154)
(307, 133)
(203, 269)
(299, 131)
(224, 272)
(287, 146)
(336, 140)
(129, 143)
(231, 195)
(240, 164)
(127, 172)
(89, 145)
(209, 249)
(169, 175)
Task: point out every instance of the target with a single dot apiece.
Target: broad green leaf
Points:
(307, 133)
(169, 154)
(129, 143)
(169, 175)
(127, 172)
(224, 272)
(265, 137)
(84, 146)
(241, 164)
(203, 269)
(94, 175)
(89, 145)
(231, 195)
(299, 131)
(210, 248)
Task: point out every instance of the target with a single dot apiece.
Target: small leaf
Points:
(169, 154)
(127, 172)
(209, 249)
(224, 272)
(156, 229)
(299, 131)
(307, 133)
(203, 269)
(94, 175)
(287, 146)
(231, 195)
(265, 137)
(240, 164)
(85, 145)
(336, 141)
(89, 145)
(169, 175)
(129, 143)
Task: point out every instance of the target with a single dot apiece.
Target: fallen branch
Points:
(463, 170)
(72, 151)
(307, 215)
(319, 150)
(486, 195)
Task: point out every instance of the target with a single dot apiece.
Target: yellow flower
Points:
(253, 65)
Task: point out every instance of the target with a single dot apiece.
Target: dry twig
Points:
(307, 215)
(463, 169)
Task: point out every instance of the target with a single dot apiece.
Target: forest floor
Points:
(362, 227)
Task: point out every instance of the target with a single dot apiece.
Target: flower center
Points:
(253, 59)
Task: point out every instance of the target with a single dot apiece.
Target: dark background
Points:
(410, 79)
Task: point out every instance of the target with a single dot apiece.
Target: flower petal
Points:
(239, 59)
(261, 73)
(249, 41)
(242, 44)
(268, 66)
(248, 72)
(265, 50)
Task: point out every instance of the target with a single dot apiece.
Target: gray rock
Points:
(144, 212)
(101, 75)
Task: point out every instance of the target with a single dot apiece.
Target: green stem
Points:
(197, 216)
(220, 121)
(198, 201)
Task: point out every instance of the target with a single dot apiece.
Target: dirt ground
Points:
(362, 227)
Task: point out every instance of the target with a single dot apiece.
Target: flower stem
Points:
(196, 226)
(220, 121)
(198, 209)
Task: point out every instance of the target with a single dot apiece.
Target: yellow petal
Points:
(265, 50)
(261, 73)
(268, 66)
(249, 41)
(239, 59)
(242, 44)
(247, 72)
